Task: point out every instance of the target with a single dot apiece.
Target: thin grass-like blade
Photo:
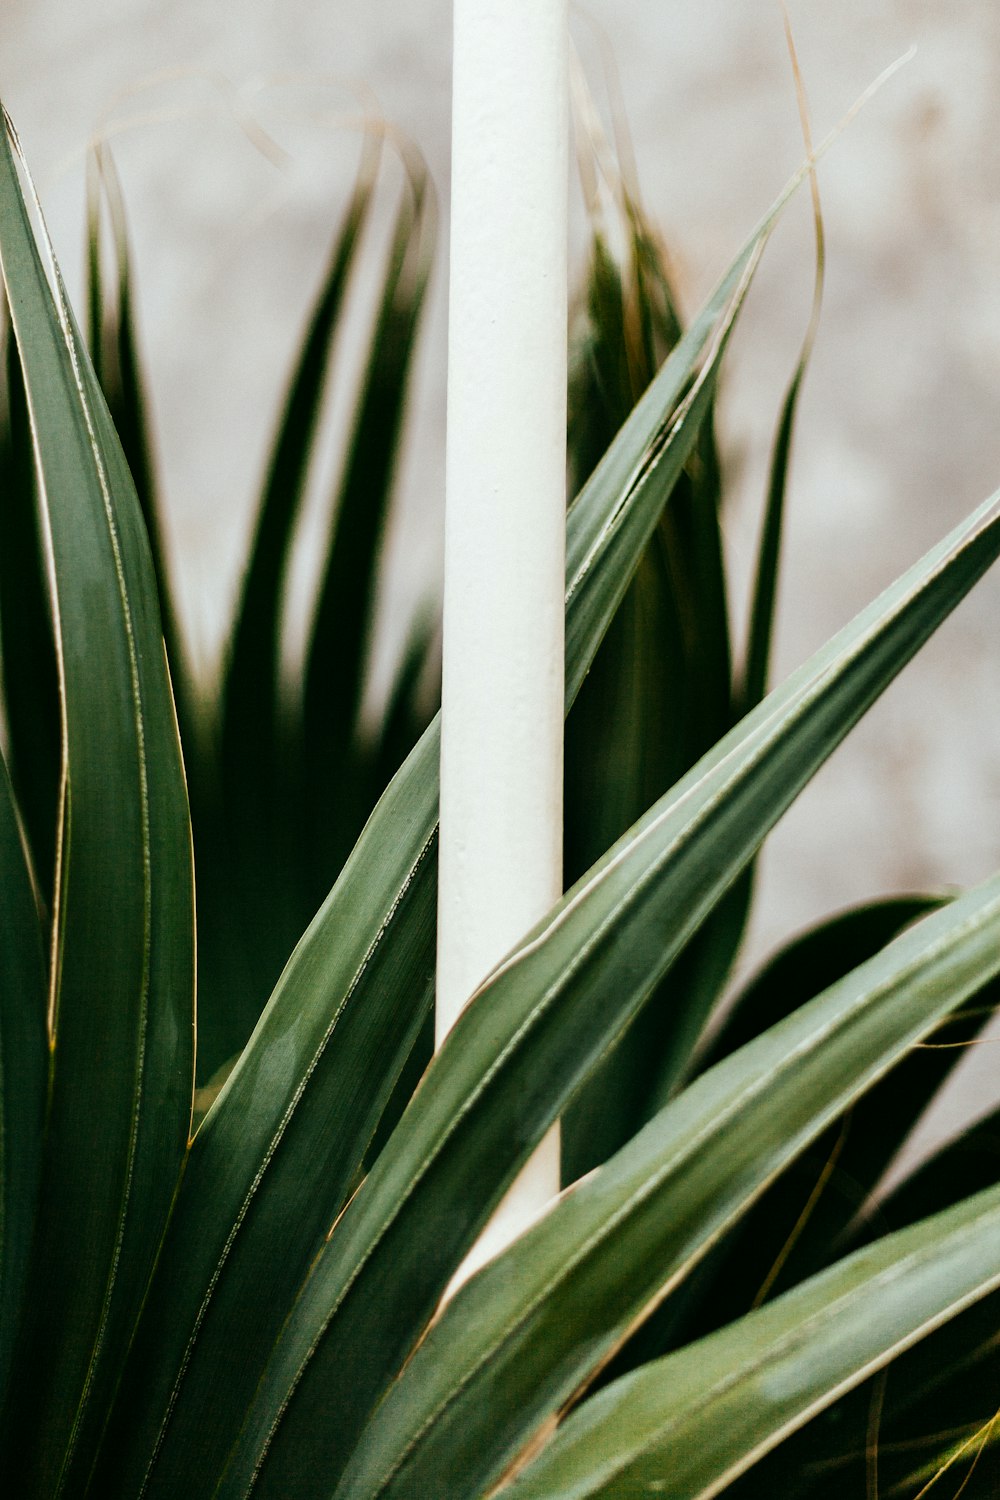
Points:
(121, 1006)
(762, 609)
(689, 1424)
(547, 1017)
(283, 1147)
(516, 1344)
(23, 1069)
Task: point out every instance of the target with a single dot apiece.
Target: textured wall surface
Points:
(899, 434)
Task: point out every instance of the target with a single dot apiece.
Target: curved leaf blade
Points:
(282, 1148)
(659, 691)
(689, 1424)
(121, 1007)
(247, 804)
(548, 1016)
(518, 1341)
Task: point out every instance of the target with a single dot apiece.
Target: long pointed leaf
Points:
(946, 1382)
(339, 648)
(115, 356)
(548, 1016)
(251, 886)
(282, 1148)
(521, 1339)
(658, 694)
(747, 1261)
(121, 1008)
(250, 691)
(689, 1424)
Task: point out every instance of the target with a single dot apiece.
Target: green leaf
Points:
(114, 349)
(335, 802)
(250, 689)
(549, 1015)
(689, 1424)
(961, 1167)
(519, 1340)
(802, 1221)
(810, 962)
(122, 1001)
(727, 1282)
(413, 702)
(946, 1383)
(251, 888)
(27, 647)
(600, 539)
(23, 1069)
(762, 609)
(282, 1148)
(658, 693)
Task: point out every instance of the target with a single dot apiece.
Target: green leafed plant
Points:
(245, 1298)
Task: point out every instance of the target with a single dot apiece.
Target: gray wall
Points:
(899, 434)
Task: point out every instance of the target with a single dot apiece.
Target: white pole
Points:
(502, 694)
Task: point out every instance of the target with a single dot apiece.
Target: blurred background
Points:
(231, 127)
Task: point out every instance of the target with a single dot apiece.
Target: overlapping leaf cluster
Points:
(252, 1307)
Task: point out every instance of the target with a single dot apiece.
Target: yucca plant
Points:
(253, 1304)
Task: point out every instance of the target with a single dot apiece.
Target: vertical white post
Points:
(502, 712)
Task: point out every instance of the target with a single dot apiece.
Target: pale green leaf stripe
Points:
(342, 1009)
(122, 1001)
(687, 1425)
(549, 1014)
(520, 1339)
(23, 1068)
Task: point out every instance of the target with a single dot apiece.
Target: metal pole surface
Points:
(502, 694)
